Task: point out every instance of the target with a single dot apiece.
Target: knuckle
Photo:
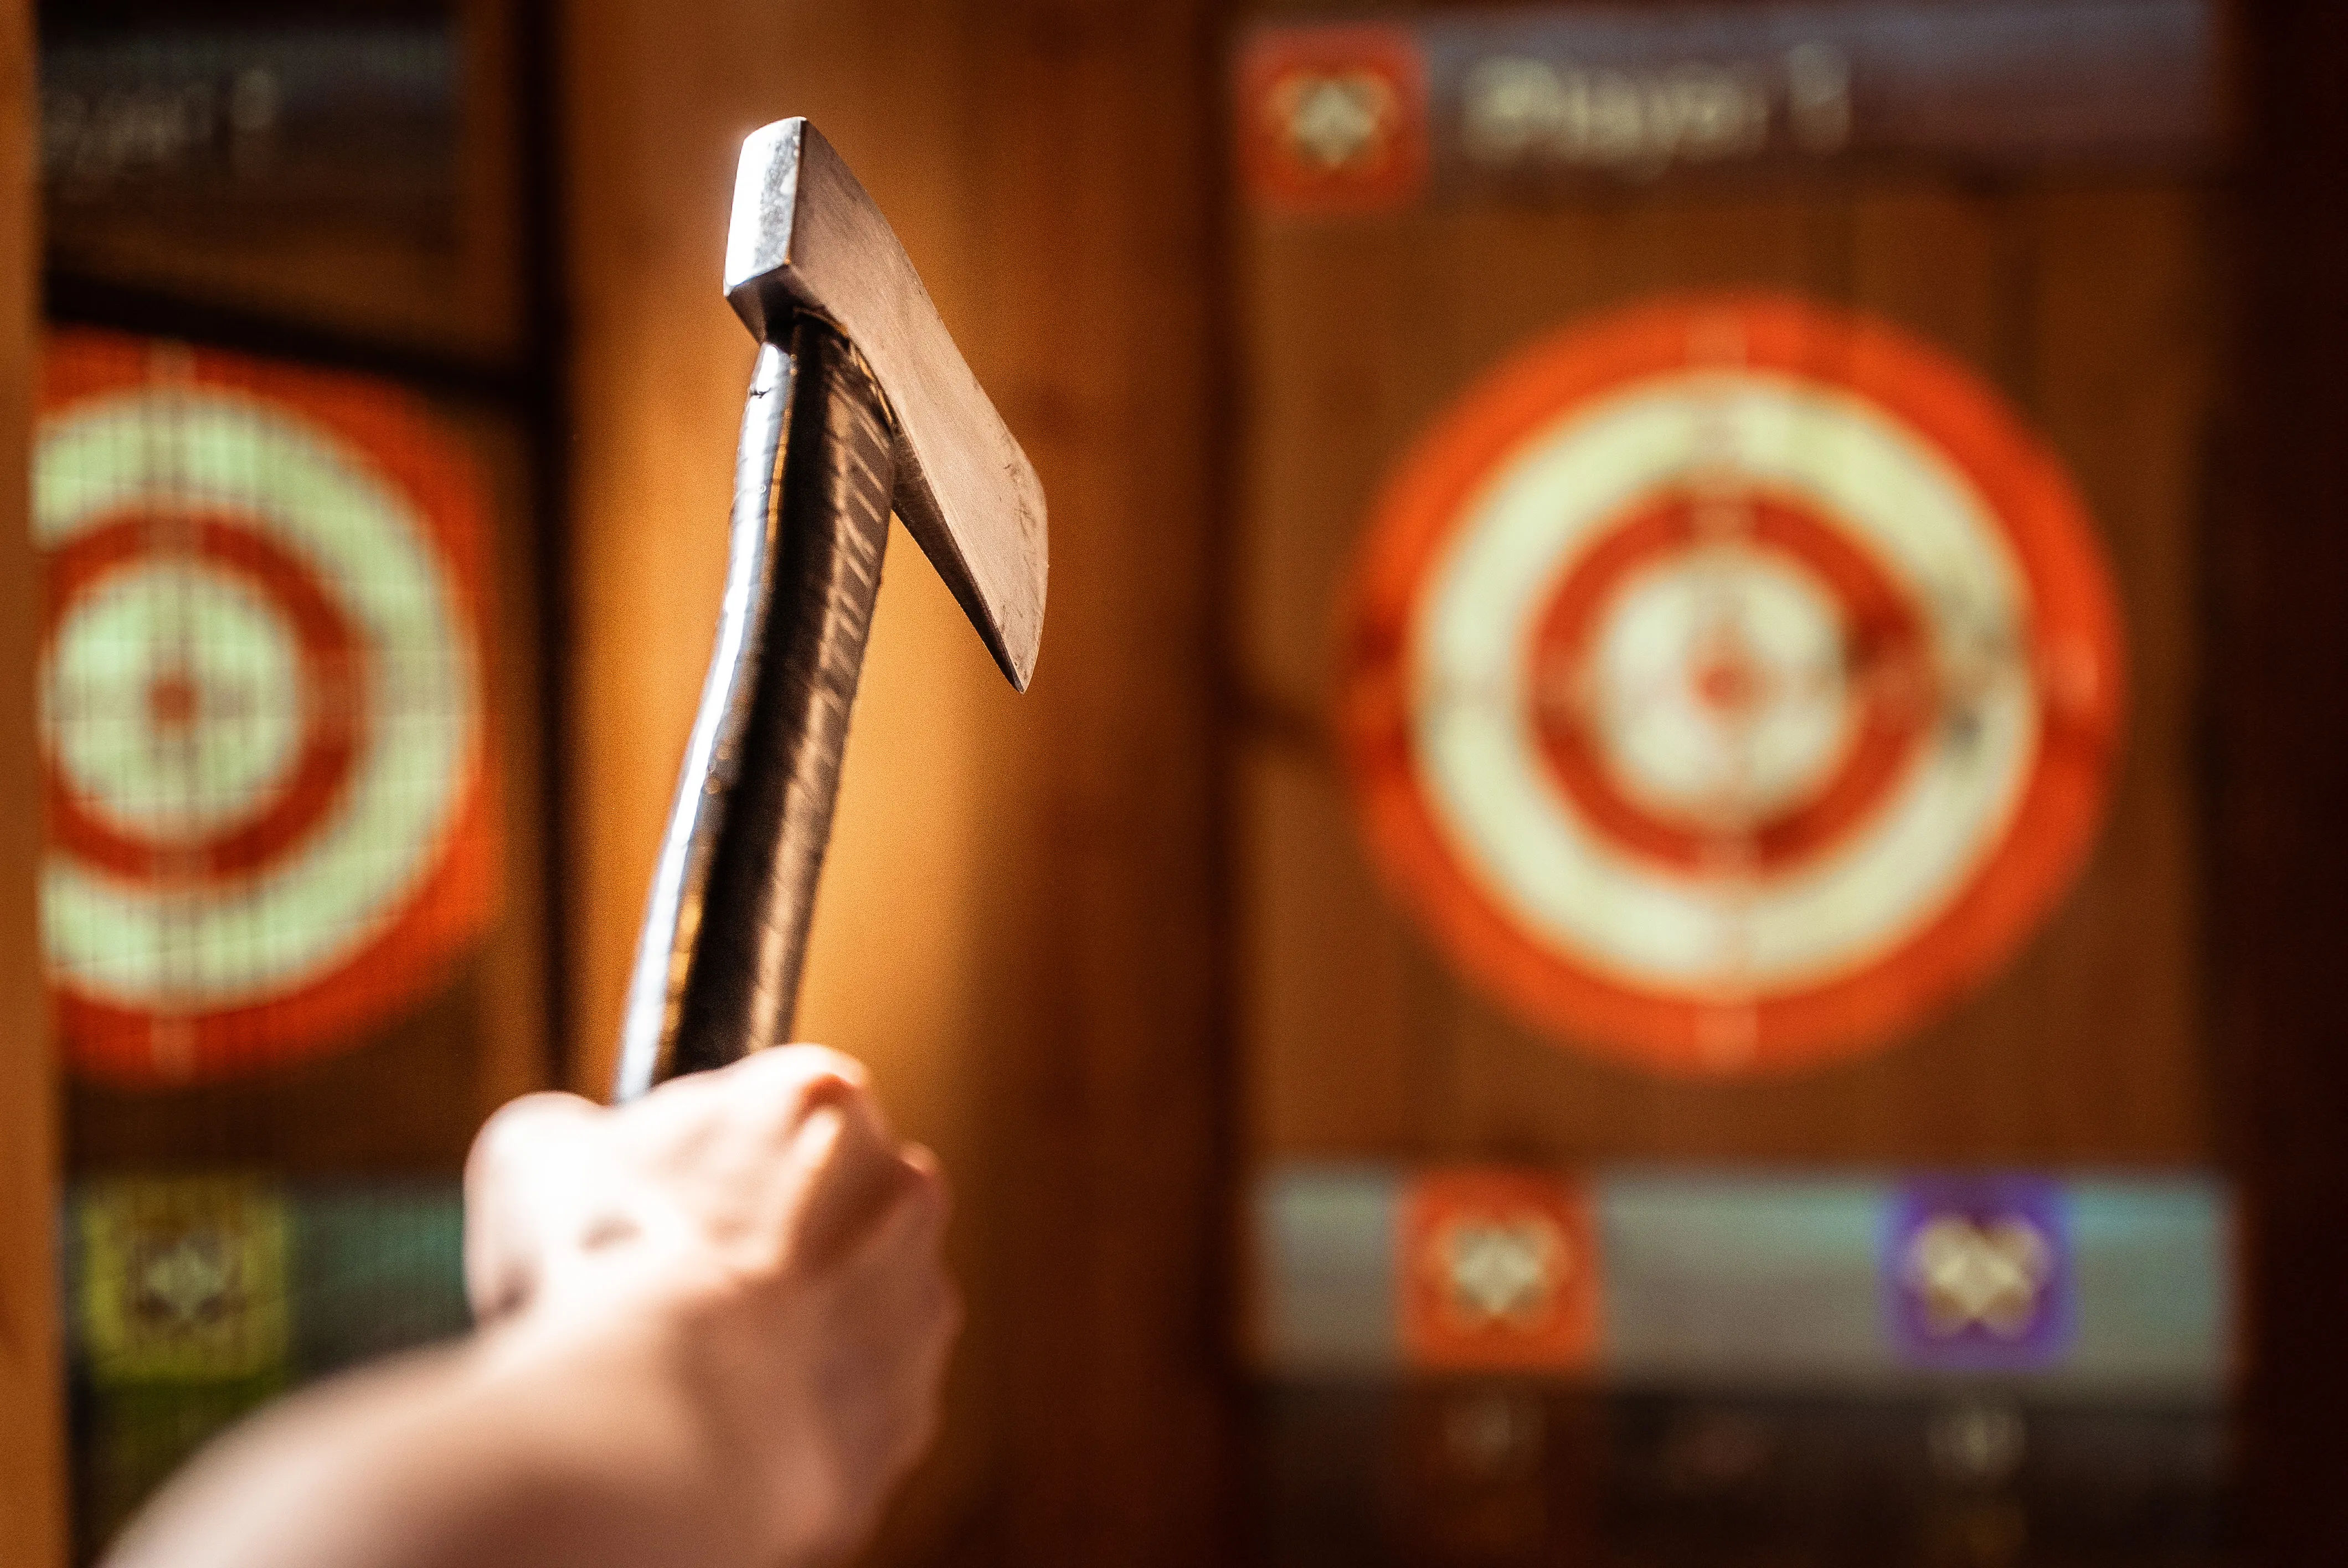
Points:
(805, 1064)
(823, 1061)
(921, 1203)
(675, 1116)
(781, 1087)
(495, 1283)
(687, 1099)
(522, 1125)
(929, 1182)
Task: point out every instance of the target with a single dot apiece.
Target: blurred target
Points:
(1730, 682)
(262, 707)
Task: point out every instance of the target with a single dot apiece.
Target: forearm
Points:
(504, 1451)
(721, 1320)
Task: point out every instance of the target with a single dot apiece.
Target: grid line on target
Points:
(1730, 682)
(265, 748)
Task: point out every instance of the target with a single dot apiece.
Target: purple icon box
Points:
(1976, 1274)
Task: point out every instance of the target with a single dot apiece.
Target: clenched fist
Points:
(766, 1223)
(713, 1325)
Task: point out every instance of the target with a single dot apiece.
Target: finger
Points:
(732, 1139)
(846, 1177)
(931, 1169)
(894, 1313)
(921, 1381)
(524, 1165)
(792, 1080)
(769, 1093)
(910, 1309)
(897, 1267)
(519, 1128)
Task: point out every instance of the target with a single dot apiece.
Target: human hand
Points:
(757, 1236)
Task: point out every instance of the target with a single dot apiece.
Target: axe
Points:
(859, 406)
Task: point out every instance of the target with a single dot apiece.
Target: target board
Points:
(261, 686)
(1730, 683)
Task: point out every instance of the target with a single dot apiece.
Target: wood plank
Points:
(1335, 1058)
(1330, 391)
(1099, 162)
(2110, 999)
(32, 1459)
(509, 1029)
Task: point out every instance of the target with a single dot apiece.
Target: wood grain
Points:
(32, 1433)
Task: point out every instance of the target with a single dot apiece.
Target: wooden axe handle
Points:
(718, 964)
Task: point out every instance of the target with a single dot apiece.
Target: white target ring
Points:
(1731, 682)
(180, 736)
(261, 686)
(1717, 684)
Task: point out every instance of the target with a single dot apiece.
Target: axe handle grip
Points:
(718, 963)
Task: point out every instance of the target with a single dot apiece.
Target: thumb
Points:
(533, 1168)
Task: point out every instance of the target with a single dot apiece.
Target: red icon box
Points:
(1332, 118)
(1501, 1273)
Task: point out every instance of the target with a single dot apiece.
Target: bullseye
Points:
(1717, 689)
(1728, 696)
(1730, 683)
(198, 700)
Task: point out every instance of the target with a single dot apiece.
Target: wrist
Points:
(669, 1397)
(596, 1429)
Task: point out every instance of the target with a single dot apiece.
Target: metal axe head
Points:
(805, 237)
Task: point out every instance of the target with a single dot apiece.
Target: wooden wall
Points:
(2280, 772)
(1015, 927)
(32, 1481)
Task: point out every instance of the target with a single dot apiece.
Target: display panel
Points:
(1717, 642)
(353, 168)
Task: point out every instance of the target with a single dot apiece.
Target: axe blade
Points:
(806, 237)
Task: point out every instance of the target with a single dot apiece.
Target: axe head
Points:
(805, 237)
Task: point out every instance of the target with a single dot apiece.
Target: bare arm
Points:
(714, 1327)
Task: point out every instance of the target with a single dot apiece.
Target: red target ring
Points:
(331, 696)
(1885, 646)
(264, 753)
(1731, 683)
